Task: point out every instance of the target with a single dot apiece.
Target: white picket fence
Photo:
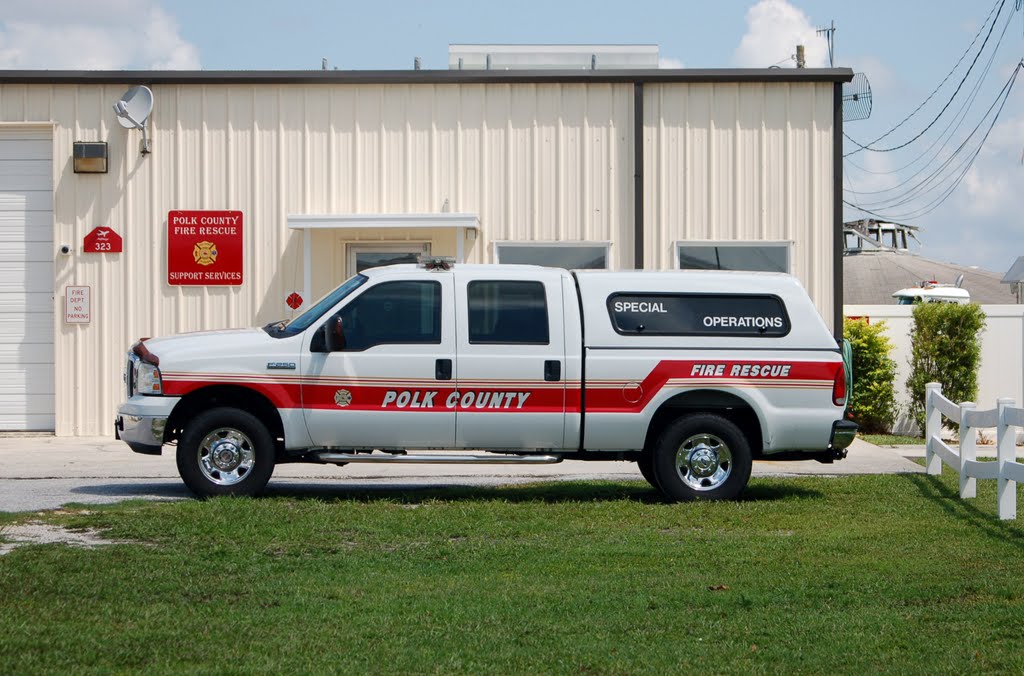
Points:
(1005, 469)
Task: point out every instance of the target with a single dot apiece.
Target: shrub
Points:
(873, 402)
(946, 349)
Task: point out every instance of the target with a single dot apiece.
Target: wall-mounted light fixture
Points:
(90, 157)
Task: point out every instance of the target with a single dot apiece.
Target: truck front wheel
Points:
(702, 456)
(225, 451)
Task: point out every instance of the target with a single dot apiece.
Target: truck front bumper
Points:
(141, 422)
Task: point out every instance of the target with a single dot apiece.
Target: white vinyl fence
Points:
(1004, 417)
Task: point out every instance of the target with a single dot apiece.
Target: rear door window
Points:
(505, 312)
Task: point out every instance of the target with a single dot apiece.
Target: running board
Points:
(445, 459)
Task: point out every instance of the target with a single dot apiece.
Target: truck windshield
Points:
(302, 322)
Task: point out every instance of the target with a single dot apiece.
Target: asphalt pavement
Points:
(39, 472)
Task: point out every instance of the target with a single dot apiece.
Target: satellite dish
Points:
(857, 98)
(959, 281)
(133, 109)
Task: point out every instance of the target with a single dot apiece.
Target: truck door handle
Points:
(443, 369)
(552, 370)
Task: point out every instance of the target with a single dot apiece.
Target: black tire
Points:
(246, 449)
(702, 456)
(645, 463)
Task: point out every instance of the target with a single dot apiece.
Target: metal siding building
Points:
(748, 162)
(720, 156)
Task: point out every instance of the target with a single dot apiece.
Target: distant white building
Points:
(552, 57)
(878, 261)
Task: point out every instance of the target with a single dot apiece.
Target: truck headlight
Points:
(147, 379)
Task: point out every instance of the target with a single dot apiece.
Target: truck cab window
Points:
(507, 312)
(393, 313)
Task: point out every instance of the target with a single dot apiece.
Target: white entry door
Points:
(26, 280)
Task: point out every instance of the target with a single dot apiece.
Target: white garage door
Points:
(26, 280)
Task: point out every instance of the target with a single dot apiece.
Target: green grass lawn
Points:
(855, 574)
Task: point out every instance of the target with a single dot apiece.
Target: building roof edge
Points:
(657, 75)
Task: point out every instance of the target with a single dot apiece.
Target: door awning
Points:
(352, 221)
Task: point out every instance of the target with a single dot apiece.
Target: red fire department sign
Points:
(204, 248)
(102, 240)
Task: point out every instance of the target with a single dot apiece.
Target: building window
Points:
(507, 313)
(364, 256)
(390, 313)
(568, 255)
(759, 256)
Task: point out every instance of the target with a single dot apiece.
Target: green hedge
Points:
(945, 348)
(873, 402)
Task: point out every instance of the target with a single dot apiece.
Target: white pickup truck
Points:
(692, 375)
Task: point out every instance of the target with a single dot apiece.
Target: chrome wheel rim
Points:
(703, 462)
(226, 456)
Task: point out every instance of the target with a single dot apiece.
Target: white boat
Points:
(932, 292)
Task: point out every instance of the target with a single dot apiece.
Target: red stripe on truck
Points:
(633, 396)
(482, 396)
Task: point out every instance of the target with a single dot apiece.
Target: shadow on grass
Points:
(548, 492)
(159, 490)
(948, 500)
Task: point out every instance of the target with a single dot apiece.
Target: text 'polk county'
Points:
(454, 399)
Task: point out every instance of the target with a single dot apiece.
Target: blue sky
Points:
(904, 48)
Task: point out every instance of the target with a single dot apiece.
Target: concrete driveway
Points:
(44, 472)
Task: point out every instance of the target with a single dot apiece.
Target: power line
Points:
(958, 119)
(931, 206)
(965, 164)
(946, 135)
(868, 146)
(909, 194)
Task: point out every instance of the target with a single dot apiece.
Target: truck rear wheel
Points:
(225, 451)
(702, 456)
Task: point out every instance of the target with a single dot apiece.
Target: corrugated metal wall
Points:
(534, 161)
(741, 162)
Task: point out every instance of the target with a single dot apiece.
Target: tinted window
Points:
(582, 257)
(393, 313)
(763, 258)
(698, 315)
(508, 312)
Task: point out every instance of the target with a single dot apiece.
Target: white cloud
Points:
(93, 35)
(669, 62)
(991, 189)
(774, 29)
